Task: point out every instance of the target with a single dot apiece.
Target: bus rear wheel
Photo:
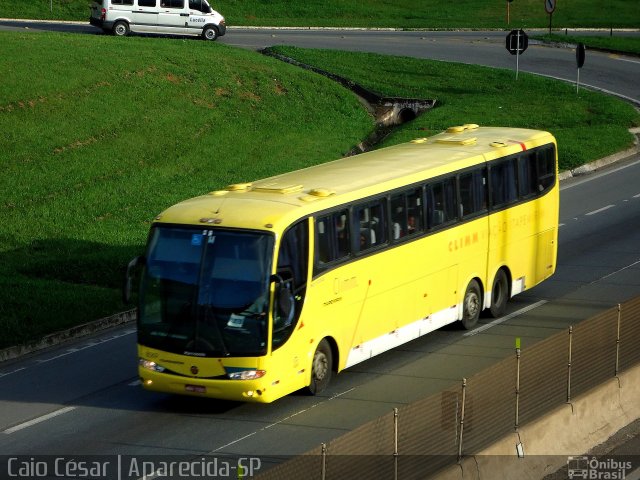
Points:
(321, 368)
(471, 305)
(499, 294)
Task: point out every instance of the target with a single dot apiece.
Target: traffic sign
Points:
(517, 42)
(580, 54)
(549, 6)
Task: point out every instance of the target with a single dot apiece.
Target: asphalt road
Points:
(84, 398)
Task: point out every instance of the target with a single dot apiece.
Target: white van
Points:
(177, 17)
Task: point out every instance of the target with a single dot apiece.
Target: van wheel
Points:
(321, 368)
(499, 294)
(209, 33)
(471, 305)
(120, 29)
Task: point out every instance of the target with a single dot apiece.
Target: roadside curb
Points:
(78, 331)
(603, 162)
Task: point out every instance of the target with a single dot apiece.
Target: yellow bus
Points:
(261, 289)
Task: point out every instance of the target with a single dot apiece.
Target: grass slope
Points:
(112, 131)
(588, 125)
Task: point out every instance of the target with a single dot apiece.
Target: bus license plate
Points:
(195, 388)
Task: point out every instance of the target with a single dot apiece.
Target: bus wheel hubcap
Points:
(320, 366)
(472, 304)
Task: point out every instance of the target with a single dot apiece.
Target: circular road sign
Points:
(549, 6)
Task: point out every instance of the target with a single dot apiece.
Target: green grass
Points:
(378, 13)
(588, 125)
(607, 42)
(111, 131)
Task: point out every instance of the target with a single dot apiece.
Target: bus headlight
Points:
(247, 374)
(149, 365)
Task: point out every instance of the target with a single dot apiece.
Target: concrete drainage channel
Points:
(389, 112)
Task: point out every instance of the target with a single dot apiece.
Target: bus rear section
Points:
(169, 17)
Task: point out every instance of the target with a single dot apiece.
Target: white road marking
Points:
(279, 421)
(37, 420)
(615, 57)
(498, 321)
(12, 372)
(89, 345)
(600, 210)
(617, 271)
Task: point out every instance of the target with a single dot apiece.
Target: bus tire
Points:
(210, 33)
(499, 294)
(120, 29)
(471, 305)
(321, 368)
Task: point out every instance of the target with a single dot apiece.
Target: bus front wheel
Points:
(471, 305)
(321, 368)
(499, 294)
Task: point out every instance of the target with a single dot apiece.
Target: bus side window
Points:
(371, 225)
(443, 202)
(546, 168)
(398, 216)
(504, 183)
(407, 213)
(332, 237)
(527, 175)
(415, 212)
(472, 192)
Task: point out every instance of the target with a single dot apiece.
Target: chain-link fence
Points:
(419, 439)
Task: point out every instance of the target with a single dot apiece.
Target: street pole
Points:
(517, 54)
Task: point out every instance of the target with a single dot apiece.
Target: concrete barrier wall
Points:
(571, 429)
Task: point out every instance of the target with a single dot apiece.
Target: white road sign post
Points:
(517, 43)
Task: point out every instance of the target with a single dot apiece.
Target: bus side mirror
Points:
(128, 278)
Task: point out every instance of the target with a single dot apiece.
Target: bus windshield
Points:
(204, 292)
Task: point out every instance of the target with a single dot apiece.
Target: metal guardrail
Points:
(418, 440)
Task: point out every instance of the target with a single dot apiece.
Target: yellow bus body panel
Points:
(381, 300)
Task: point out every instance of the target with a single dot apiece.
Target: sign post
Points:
(580, 55)
(549, 7)
(517, 43)
(509, 11)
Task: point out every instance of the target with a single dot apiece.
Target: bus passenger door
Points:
(291, 279)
